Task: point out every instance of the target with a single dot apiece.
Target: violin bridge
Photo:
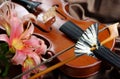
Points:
(49, 14)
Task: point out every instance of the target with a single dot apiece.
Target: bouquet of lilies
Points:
(19, 46)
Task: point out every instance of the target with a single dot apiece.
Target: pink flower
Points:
(26, 47)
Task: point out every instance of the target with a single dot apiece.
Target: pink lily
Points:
(27, 48)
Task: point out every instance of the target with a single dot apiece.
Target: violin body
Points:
(83, 66)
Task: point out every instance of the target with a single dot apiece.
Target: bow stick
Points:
(88, 41)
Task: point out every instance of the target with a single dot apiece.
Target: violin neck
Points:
(29, 5)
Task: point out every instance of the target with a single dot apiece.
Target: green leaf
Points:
(4, 61)
(3, 48)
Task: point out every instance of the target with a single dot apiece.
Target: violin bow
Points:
(89, 43)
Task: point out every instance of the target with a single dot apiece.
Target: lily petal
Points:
(26, 18)
(28, 31)
(4, 37)
(42, 48)
(5, 24)
(37, 44)
(19, 57)
(26, 76)
(16, 26)
(35, 57)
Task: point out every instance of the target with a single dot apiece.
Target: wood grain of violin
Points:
(83, 66)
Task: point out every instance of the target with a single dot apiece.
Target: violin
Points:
(55, 29)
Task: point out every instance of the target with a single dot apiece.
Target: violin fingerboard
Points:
(71, 30)
(105, 54)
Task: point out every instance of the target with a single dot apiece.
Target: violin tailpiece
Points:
(104, 53)
(71, 30)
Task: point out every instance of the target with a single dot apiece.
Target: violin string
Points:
(51, 58)
(104, 28)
